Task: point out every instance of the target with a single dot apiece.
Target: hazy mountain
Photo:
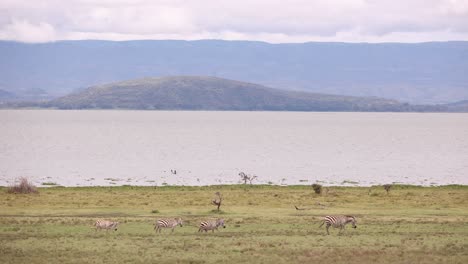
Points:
(211, 93)
(5, 96)
(418, 73)
(461, 106)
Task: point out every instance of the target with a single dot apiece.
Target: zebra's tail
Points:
(323, 222)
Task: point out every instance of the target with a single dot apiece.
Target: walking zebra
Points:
(167, 223)
(211, 225)
(105, 224)
(338, 221)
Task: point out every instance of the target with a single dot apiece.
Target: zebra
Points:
(211, 225)
(105, 224)
(338, 221)
(167, 223)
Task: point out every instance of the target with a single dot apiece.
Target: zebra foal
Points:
(167, 223)
(338, 221)
(211, 225)
(105, 224)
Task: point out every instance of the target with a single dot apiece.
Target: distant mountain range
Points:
(5, 96)
(212, 93)
(422, 73)
(461, 106)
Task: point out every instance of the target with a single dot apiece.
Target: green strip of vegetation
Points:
(265, 224)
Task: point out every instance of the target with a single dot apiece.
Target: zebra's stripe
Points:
(167, 223)
(338, 221)
(211, 225)
(105, 224)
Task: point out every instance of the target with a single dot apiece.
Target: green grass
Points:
(409, 225)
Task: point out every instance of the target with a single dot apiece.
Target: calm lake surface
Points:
(78, 148)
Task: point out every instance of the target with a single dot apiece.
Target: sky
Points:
(271, 21)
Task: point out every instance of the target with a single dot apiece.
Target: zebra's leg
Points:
(343, 228)
(172, 230)
(322, 224)
(328, 226)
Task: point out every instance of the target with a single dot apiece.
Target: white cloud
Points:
(22, 30)
(265, 20)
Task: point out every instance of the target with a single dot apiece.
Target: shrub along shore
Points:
(269, 224)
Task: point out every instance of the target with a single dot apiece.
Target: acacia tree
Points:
(247, 178)
(217, 200)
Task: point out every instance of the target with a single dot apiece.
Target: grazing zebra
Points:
(211, 225)
(338, 221)
(167, 223)
(105, 224)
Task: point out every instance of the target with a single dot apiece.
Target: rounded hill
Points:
(212, 93)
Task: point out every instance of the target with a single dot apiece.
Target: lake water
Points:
(78, 148)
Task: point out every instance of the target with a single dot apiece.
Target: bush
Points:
(317, 188)
(24, 186)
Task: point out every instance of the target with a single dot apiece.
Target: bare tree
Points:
(217, 200)
(247, 178)
(24, 186)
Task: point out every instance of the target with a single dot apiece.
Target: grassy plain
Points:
(409, 225)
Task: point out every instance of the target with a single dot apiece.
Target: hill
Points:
(212, 93)
(418, 73)
(5, 96)
(461, 106)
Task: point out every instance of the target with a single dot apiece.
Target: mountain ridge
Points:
(214, 93)
(5, 95)
(421, 73)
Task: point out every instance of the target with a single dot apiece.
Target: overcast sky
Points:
(273, 21)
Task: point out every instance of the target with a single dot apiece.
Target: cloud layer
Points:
(265, 20)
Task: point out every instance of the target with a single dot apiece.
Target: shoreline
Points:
(242, 186)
